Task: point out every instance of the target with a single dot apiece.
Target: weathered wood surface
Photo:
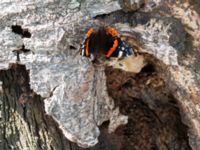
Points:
(49, 98)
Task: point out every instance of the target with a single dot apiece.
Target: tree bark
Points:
(51, 99)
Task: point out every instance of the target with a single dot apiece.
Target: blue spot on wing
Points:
(123, 50)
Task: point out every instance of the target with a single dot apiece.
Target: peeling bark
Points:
(24, 123)
(50, 98)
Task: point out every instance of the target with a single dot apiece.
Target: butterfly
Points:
(104, 42)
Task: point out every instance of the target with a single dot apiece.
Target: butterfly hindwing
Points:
(122, 50)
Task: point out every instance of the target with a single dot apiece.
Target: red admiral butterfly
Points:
(104, 42)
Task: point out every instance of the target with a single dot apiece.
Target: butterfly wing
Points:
(122, 50)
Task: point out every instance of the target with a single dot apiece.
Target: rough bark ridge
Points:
(48, 96)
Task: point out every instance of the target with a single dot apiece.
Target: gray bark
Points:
(52, 99)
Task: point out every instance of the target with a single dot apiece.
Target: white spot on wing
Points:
(82, 52)
(120, 54)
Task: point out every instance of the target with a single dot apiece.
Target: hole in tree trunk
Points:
(72, 47)
(23, 32)
(154, 116)
(149, 68)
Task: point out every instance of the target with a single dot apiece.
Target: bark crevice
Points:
(154, 115)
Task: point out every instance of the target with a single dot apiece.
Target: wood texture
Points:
(38, 66)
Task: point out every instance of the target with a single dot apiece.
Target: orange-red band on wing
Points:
(87, 48)
(112, 32)
(113, 48)
(89, 33)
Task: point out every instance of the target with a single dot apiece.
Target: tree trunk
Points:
(53, 99)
